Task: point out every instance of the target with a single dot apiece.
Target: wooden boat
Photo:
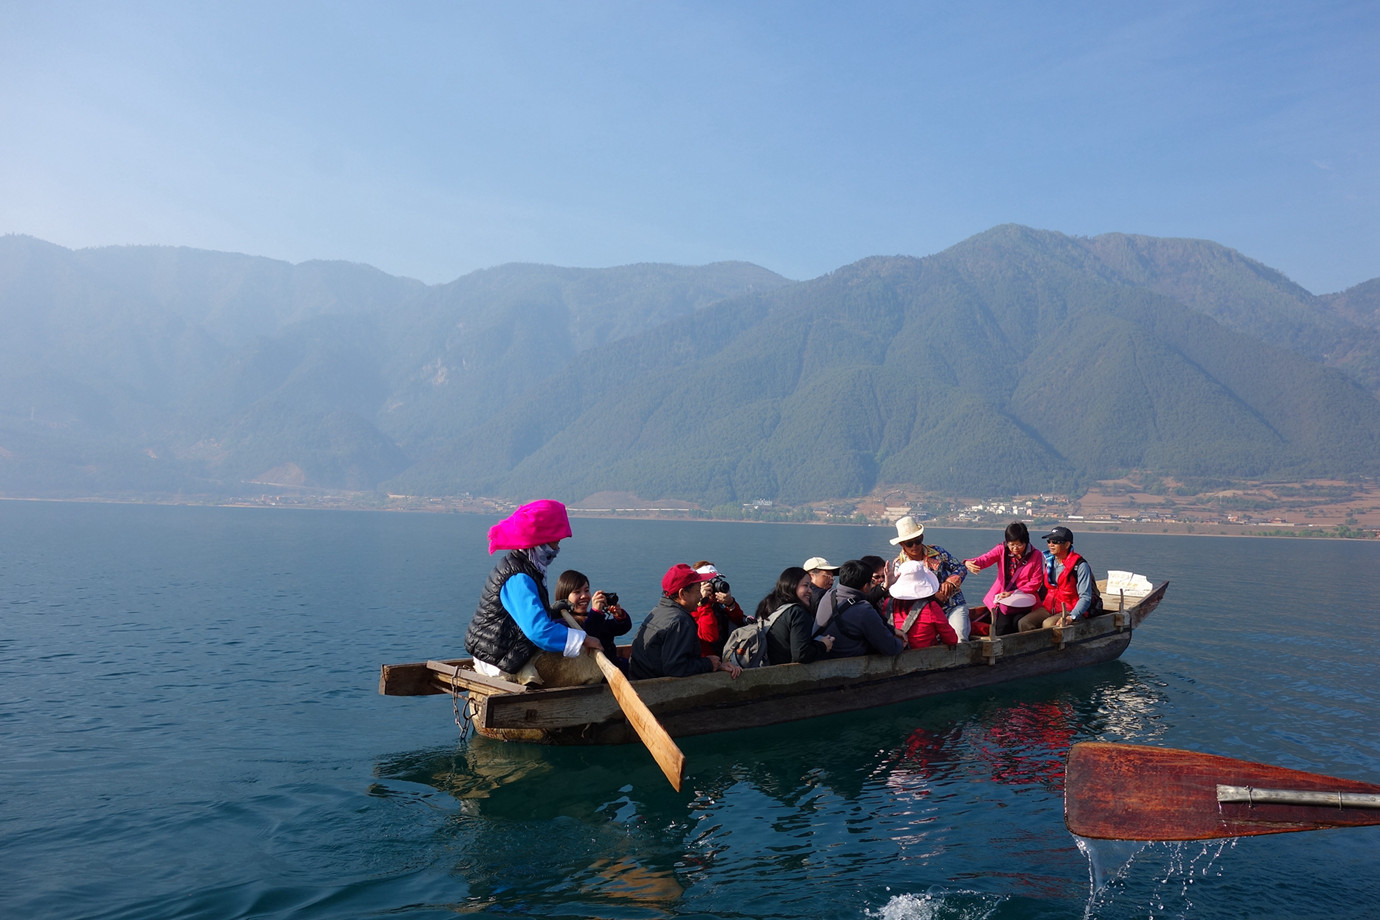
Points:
(715, 702)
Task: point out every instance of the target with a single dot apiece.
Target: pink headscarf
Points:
(532, 524)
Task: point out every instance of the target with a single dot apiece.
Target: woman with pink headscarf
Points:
(513, 621)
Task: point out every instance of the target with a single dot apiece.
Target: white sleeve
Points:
(574, 641)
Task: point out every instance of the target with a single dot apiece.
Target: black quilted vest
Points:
(494, 636)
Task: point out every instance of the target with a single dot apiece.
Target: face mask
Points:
(544, 555)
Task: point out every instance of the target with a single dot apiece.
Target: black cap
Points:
(1060, 534)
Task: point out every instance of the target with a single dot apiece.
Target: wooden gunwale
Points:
(766, 696)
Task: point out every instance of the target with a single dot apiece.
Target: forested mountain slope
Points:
(1018, 360)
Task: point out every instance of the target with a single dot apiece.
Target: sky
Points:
(432, 139)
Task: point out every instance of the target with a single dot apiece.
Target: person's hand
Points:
(723, 597)
(896, 631)
(599, 602)
(971, 566)
(732, 669)
(1003, 595)
(705, 589)
(593, 644)
(828, 642)
(715, 660)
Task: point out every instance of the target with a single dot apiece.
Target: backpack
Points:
(747, 645)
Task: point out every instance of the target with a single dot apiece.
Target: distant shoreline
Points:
(498, 509)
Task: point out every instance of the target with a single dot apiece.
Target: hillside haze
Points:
(1017, 361)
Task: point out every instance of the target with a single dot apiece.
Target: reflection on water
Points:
(535, 820)
(965, 783)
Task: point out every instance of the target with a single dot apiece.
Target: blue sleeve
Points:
(520, 599)
(1082, 574)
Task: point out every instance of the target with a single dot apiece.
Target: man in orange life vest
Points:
(1071, 590)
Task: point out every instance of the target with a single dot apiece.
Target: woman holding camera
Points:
(598, 613)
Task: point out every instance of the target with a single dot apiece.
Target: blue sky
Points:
(433, 139)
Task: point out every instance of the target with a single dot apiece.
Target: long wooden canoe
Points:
(766, 696)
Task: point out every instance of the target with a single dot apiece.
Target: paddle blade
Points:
(1131, 792)
(662, 746)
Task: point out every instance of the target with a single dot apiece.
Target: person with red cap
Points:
(513, 621)
(668, 642)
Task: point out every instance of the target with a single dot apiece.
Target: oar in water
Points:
(1131, 792)
(662, 746)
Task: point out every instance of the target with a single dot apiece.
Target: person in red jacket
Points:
(718, 612)
(912, 609)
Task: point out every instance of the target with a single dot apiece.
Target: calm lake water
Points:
(190, 727)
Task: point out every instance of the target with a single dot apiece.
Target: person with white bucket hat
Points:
(910, 606)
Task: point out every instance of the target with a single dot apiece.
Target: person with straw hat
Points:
(910, 537)
(513, 621)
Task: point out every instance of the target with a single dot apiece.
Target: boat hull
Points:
(716, 702)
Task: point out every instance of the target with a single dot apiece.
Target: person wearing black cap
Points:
(1070, 589)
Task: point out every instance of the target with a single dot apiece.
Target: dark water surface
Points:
(189, 727)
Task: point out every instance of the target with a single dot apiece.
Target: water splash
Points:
(1164, 878)
(938, 904)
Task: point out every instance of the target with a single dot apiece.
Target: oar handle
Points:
(1252, 795)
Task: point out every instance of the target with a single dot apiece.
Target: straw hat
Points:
(907, 529)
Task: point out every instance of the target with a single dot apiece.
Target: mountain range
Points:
(1016, 361)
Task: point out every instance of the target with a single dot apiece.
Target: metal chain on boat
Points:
(464, 714)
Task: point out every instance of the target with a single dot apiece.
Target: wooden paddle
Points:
(662, 746)
(1130, 792)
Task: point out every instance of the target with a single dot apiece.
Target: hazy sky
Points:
(432, 139)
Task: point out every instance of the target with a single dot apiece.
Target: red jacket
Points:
(714, 622)
(930, 628)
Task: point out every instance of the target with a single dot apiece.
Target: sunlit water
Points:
(190, 727)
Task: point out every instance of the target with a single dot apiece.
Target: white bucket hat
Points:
(907, 529)
(914, 582)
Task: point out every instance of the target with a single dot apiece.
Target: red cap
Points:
(680, 576)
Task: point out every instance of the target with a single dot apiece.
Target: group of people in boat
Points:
(869, 605)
